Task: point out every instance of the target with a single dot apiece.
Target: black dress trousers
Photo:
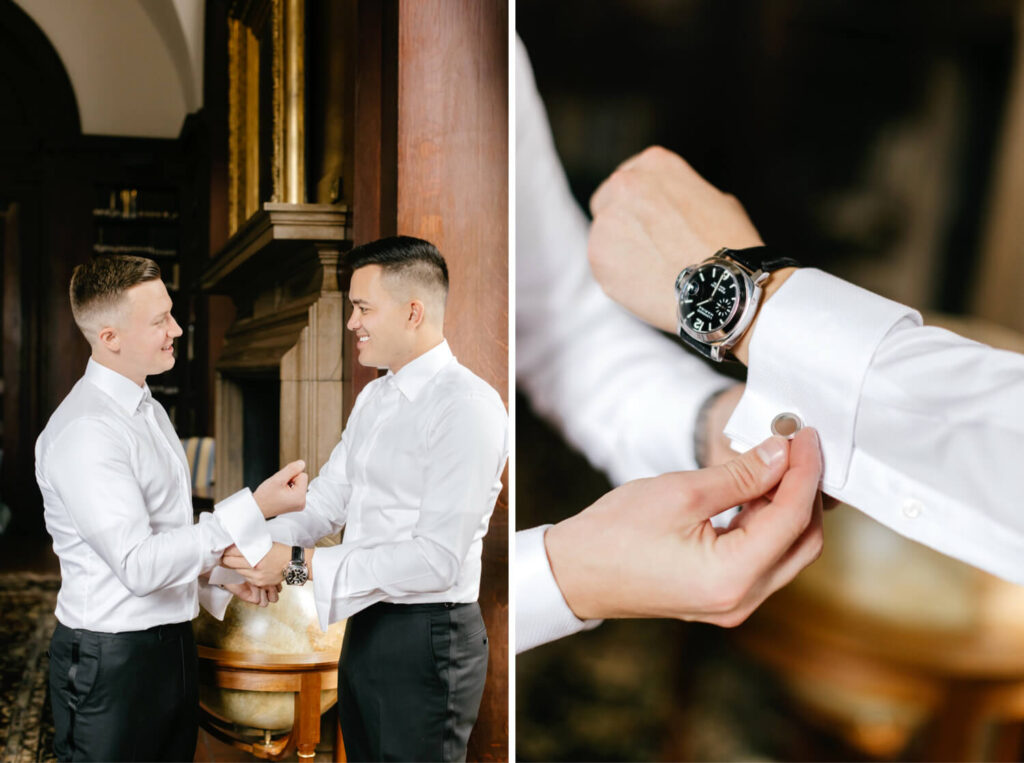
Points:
(410, 681)
(125, 696)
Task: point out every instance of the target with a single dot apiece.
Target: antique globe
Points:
(287, 627)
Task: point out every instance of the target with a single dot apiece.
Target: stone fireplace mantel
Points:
(281, 271)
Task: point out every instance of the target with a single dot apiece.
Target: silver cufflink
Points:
(787, 425)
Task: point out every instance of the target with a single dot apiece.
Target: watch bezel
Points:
(296, 573)
(741, 315)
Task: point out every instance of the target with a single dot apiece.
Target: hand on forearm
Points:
(269, 571)
(648, 549)
(254, 594)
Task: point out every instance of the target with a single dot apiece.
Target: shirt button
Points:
(912, 508)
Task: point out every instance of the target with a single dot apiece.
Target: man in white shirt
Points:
(854, 365)
(117, 503)
(921, 429)
(413, 482)
(628, 398)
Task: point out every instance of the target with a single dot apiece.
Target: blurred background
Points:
(883, 142)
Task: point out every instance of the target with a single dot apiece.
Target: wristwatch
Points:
(717, 299)
(296, 573)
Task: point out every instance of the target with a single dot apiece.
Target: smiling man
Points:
(117, 502)
(413, 482)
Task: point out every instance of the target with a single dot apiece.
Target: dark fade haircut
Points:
(100, 284)
(405, 257)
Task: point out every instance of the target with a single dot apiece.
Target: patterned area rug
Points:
(27, 621)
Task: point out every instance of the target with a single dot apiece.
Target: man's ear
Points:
(110, 339)
(416, 313)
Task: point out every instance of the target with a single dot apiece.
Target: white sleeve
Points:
(920, 428)
(620, 392)
(468, 446)
(90, 468)
(213, 598)
(541, 612)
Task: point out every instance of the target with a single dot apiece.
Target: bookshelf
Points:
(145, 221)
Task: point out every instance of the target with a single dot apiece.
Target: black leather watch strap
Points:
(298, 555)
(761, 258)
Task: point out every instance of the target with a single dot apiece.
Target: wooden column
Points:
(452, 141)
(374, 195)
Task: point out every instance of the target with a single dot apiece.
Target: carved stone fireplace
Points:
(283, 355)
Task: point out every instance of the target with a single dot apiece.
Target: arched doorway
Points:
(42, 239)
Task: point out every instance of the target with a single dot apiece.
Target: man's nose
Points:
(353, 321)
(175, 328)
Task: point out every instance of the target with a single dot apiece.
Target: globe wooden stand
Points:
(304, 674)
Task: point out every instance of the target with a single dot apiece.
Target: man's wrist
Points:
(741, 349)
(559, 546)
(308, 555)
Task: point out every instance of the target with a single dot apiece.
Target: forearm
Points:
(348, 578)
(618, 391)
(304, 528)
(920, 428)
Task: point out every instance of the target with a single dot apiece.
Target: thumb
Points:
(292, 470)
(742, 479)
(300, 482)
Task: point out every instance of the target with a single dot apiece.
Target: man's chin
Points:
(368, 362)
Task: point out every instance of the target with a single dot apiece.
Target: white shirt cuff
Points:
(542, 614)
(811, 348)
(214, 599)
(241, 517)
(223, 576)
(333, 601)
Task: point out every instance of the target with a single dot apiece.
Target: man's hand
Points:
(648, 549)
(269, 571)
(283, 492)
(254, 594)
(653, 217)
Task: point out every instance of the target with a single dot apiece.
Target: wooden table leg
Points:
(307, 716)
(958, 729)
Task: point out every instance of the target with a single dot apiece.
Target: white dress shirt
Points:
(620, 392)
(117, 503)
(413, 482)
(921, 429)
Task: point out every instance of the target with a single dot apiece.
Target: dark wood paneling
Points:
(374, 140)
(453, 191)
(220, 309)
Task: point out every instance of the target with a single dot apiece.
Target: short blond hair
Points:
(98, 287)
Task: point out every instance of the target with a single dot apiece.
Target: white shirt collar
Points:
(127, 393)
(414, 375)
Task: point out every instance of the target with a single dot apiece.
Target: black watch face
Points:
(709, 299)
(295, 575)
